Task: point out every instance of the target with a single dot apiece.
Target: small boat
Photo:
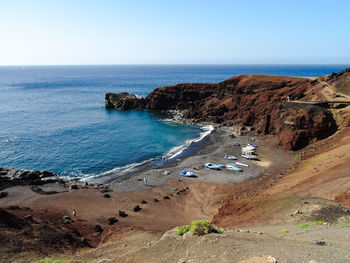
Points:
(249, 156)
(212, 166)
(249, 147)
(186, 173)
(233, 167)
(243, 164)
(236, 144)
(252, 145)
(220, 165)
(230, 157)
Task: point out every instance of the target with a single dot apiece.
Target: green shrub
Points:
(51, 260)
(285, 230)
(183, 229)
(201, 227)
(220, 230)
(318, 223)
(304, 225)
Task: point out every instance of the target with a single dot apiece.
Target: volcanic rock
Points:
(122, 213)
(124, 101)
(3, 194)
(98, 228)
(302, 124)
(137, 208)
(112, 220)
(12, 177)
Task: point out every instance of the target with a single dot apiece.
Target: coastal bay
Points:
(121, 219)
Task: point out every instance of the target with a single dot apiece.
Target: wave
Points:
(120, 170)
(174, 152)
(9, 139)
(178, 150)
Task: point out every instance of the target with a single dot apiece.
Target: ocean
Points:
(53, 117)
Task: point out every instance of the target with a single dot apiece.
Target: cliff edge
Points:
(257, 101)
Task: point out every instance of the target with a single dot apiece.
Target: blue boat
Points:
(212, 166)
(186, 173)
(220, 166)
(233, 167)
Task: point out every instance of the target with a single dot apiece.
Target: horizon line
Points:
(179, 64)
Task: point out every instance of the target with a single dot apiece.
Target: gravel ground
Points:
(213, 149)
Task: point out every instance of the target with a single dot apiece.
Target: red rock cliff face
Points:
(251, 100)
(247, 100)
(302, 124)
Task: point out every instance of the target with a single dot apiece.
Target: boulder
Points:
(122, 213)
(137, 208)
(124, 101)
(98, 228)
(112, 220)
(3, 194)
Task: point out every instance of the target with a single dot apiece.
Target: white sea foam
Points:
(121, 170)
(177, 150)
(172, 153)
(10, 139)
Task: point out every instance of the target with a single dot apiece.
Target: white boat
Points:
(250, 147)
(233, 167)
(230, 157)
(249, 156)
(246, 150)
(242, 164)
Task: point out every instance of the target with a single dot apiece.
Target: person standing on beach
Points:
(145, 180)
(74, 213)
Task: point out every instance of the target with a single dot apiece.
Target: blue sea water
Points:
(53, 117)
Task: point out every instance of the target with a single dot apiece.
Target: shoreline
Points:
(174, 153)
(212, 148)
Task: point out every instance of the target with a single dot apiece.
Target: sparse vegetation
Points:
(51, 260)
(183, 229)
(319, 222)
(199, 227)
(304, 225)
(285, 231)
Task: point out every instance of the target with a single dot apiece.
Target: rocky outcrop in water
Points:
(124, 101)
(11, 177)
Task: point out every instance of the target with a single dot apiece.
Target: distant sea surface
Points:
(53, 117)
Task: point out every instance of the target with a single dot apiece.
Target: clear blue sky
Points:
(174, 32)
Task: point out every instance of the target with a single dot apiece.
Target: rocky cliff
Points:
(302, 124)
(247, 100)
